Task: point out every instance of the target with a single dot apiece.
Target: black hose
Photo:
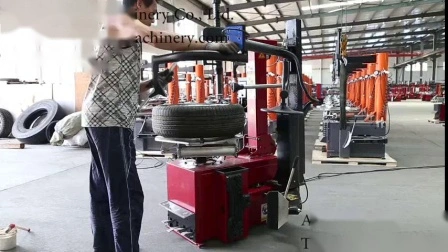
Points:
(274, 50)
(307, 105)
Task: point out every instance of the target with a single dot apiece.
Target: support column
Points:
(434, 59)
(396, 71)
(422, 51)
(402, 70)
(410, 71)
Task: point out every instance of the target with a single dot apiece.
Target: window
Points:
(416, 67)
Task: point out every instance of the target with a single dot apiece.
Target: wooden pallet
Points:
(320, 157)
(435, 121)
(8, 143)
(318, 145)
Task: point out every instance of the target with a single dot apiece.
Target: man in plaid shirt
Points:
(108, 114)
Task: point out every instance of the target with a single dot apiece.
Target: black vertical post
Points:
(296, 121)
(294, 45)
(219, 68)
(342, 86)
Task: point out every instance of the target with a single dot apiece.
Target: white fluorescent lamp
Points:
(340, 4)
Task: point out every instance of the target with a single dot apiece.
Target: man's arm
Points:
(122, 27)
(173, 42)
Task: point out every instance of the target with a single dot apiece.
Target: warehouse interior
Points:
(324, 132)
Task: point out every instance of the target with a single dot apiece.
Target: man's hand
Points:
(163, 78)
(224, 48)
(122, 27)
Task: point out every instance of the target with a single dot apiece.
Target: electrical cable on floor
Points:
(336, 174)
(307, 193)
(158, 164)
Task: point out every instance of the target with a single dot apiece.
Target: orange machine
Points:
(188, 87)
(173, 86)
(200, 92)
(358, 89)
(270, 79)
(279, 72)
(382, 65)
(370, 90)
(363, 89)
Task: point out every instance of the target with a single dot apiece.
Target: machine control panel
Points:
(176, 209)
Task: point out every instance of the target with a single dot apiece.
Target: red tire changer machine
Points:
(258, 184)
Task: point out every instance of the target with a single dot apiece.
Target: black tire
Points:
(198, 120)
(50, 130)
(6, 122)
(30, 127)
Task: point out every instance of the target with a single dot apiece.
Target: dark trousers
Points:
(115, 189)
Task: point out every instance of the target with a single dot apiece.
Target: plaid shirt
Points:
(112, 96)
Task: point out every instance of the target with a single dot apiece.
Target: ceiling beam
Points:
(378, 37)
(250, 5)
(366, 22)
(357, 53)
(440, 25)
(437, 25)
(379, 48)
(336, 13)
(423, 57)
(384, 43)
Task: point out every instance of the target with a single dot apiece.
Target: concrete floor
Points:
(46, 188)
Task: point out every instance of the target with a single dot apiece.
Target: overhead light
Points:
(339, 4)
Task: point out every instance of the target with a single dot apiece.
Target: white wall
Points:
(27, 55)
(321, 71)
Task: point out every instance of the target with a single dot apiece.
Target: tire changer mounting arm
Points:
(274, 50)
(158, 60)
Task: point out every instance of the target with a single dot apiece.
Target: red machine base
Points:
(218, 201)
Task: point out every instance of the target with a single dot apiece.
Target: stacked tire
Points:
(34, 124)
(6, 123)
